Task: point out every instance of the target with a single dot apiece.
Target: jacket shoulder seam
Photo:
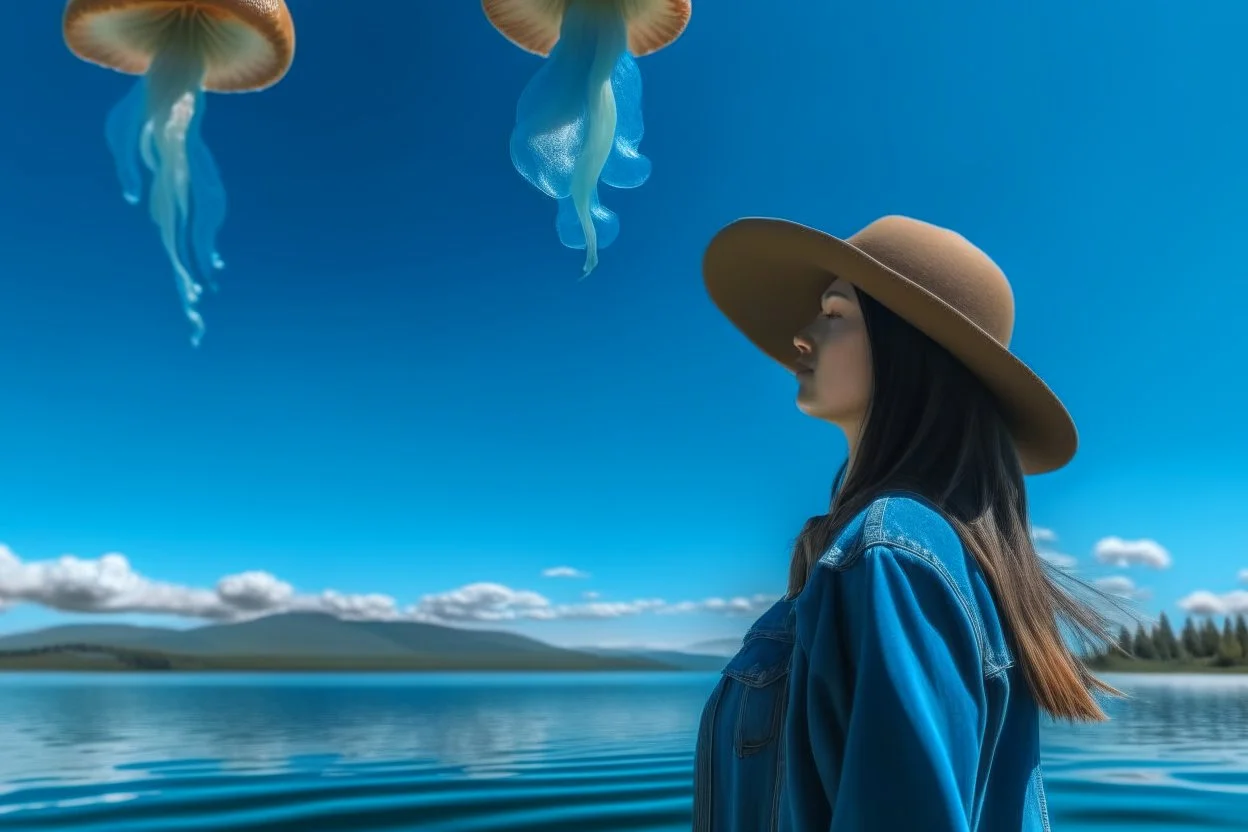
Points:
(921, 555)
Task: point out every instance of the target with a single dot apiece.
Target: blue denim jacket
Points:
(884, 697)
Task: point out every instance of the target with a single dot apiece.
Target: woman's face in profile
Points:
(834, 361)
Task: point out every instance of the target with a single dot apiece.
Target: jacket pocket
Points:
(761, 669)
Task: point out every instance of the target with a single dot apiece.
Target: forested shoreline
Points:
(1196, 646)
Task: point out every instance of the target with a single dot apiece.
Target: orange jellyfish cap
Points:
(533, 25)
(252, 47)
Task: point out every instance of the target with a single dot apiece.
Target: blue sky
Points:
(405, 391)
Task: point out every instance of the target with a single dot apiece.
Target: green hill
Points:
(309, 641)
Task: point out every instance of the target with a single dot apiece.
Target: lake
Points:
(476, 752)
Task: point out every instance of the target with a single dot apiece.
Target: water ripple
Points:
(474, 755)
(605, 791)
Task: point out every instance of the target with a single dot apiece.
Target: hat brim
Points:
(767, 277)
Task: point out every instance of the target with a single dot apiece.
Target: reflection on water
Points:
(482, 751)
(77, 725)
(1196, 716)
(1174, 756)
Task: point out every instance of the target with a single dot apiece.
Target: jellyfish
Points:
(180, 49)
(579, 121)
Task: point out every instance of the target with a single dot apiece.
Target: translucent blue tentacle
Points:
(123, 131)
(579, 122)
(208, 202)
(626, 167)
(159, 123)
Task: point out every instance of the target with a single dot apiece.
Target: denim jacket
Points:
(884, 697)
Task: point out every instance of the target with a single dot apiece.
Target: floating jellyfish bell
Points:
(579, 121)
(181, 48)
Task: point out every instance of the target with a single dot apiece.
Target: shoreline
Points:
(97, 658)
(1165, 667)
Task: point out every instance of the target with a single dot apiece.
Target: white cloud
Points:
(1039, 534)
(1059, 560)
(563, 572)
(109, 584)
(754, 604)
(1243, 576)
(589, 595)
(1121, 586)
(495, 602)
(481, 602)
(254, 591)
(371, 606)
(1122, 553)
(1203, 602)
(104, 584)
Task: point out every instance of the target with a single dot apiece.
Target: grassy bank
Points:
(1115, 664)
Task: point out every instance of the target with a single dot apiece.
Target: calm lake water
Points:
(507, 752)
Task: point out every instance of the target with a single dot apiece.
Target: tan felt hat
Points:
(767, 277)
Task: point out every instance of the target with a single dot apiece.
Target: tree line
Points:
(1198, 643)
(137, 659)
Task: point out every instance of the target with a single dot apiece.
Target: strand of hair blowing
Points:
(933, 429)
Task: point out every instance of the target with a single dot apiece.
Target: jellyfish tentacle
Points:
(174, 92)
(208, 203)
(157, 126)
(569, 133)
(611, 42)
(600, 136)
(626, 167)
(124, 133)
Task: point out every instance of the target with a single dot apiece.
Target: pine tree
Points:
(1241, 633)
(1164, 642)
(1209, 639)
(1229, 648)
(1191, 638)
(1124, 642)
(1143, 644)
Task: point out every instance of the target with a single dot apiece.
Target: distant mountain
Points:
(320, 640)
(675, 658)
(286, 634)
(118, 634)
(726, 647)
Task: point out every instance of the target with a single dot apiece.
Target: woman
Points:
(899, 684)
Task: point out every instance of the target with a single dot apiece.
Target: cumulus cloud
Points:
(104, 584)
(1203, 602)
(1243, 576)
(752, 605)
(108, 584)
(481, 602)
(1121, 586)
(589, 595)
(494, 602)
(1059, 560)
(563, 572)
(1039, 534)
(254, 591)
(1043, 539)
(1122, 553)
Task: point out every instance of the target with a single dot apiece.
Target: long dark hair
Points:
(934, 430)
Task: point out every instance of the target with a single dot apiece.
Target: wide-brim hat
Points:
(768, 276)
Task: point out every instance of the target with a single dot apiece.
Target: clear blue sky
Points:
(404, 390)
